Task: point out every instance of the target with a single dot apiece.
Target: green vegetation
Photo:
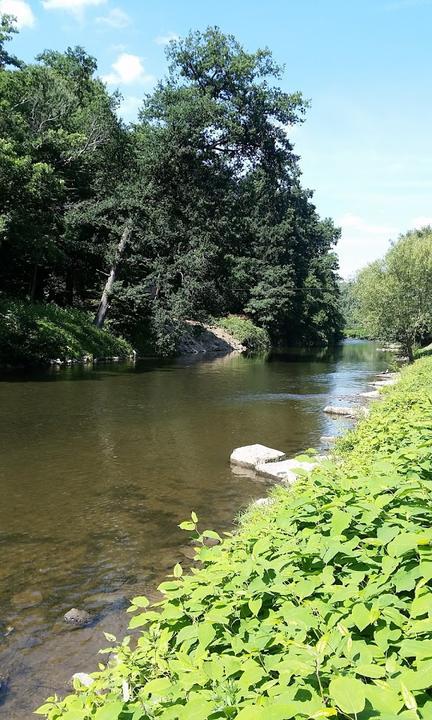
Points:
(242, 329)
(195, 211)
(321, 606)
(392, 299)
(34, 334)
(424, 351)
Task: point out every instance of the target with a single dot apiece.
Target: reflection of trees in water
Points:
(352, 351)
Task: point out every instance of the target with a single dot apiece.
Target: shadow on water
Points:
(98, 465)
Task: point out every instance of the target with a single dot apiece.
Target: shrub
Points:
(35, 334)
(321, 606)
(254, 338)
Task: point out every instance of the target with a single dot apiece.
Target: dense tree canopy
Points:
(196, 210)
(393, 296)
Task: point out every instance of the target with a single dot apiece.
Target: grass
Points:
(319, 607)
(254, 338)
(32, 334)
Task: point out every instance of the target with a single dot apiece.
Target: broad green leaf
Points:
(110, 711)
(252, 712)
(348, 694)
(206, 633)
(255, 606)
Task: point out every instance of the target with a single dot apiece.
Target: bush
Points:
(243, 330)
(35, 334)
(424, 351)
(321, 606)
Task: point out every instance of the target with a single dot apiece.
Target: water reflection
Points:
(99, 465)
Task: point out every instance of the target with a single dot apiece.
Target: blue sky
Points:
(366, 144)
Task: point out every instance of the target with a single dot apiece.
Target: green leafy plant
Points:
(36, 334)
(319, 607)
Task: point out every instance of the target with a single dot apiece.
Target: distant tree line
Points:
(196, 210)
(391, 299)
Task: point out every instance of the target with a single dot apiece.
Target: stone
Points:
(27, 599)
(383, 383)
(83, 678)
(328, 439)
(77, 617)
(340, 410)
(373, 394)
(251, 455)
(263, 502)
(284, 470)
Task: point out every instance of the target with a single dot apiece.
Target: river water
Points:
(99, 465)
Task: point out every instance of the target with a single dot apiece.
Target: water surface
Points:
(99, 465)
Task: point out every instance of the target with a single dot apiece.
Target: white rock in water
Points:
(328, 439)
(371, 395)
(383, 383)
(339, 410)
(285, 470)
(263, 502)
(251, 455)
(83, 678)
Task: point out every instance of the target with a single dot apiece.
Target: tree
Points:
(222, 223)
(393, 295)
(7, 30)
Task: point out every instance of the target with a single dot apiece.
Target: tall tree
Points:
(394, 299)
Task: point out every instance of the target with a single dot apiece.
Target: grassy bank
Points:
(35, 334)
(243, 330)
(321, 606)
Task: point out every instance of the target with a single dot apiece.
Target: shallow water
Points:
(98, 467)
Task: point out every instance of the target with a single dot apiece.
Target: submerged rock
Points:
(328, 439)
(27, 599)
(77, 617)
(251, 455)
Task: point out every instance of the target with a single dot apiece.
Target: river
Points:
(99, 465)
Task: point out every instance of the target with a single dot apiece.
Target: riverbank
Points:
(317, 607)
(43, 334)
(39, 334)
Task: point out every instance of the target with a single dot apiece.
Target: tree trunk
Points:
(70, 286)
(34, 283)
(104, 302)
(410, 352)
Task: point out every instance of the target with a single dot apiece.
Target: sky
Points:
(365, 65)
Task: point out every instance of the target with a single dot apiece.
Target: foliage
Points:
(349, 309)
(242, 329)
(32, 333)
(321, 606)
(207, 181)
(393, 295)
(424, 351)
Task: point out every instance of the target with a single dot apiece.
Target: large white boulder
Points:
(372, 395)
(249, 456)
(284, 470)
(340, 410)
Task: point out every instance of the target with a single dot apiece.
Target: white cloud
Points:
(20, 9)
(76, 7)
(129, 107)
(421, 221)
(116, 18)
(354, 222)
(361, 242)
(128, 69)
(166, 39)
